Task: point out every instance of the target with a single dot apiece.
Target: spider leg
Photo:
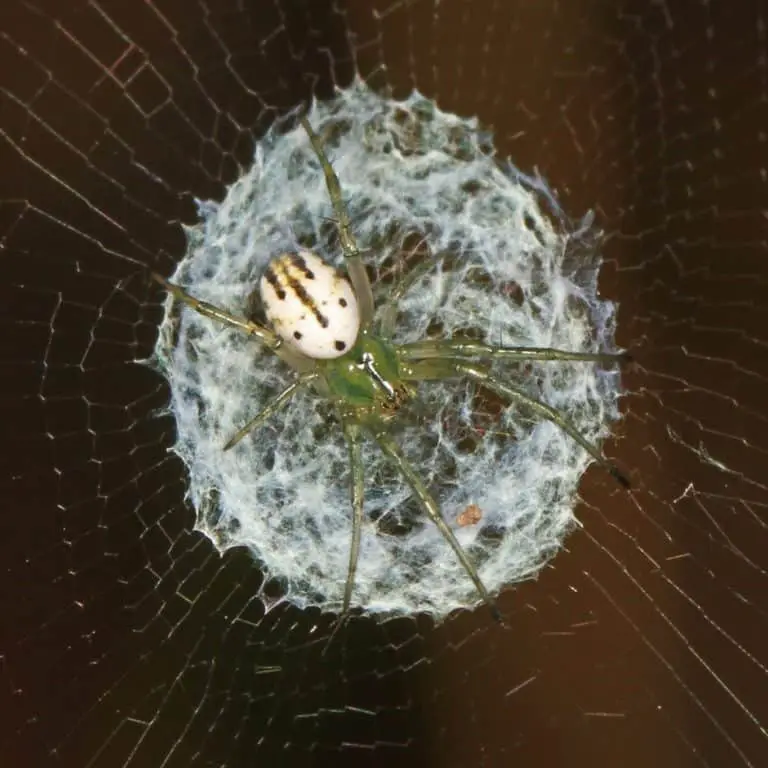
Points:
(446, 368)
(271, 340)
(430, 506)
(352, 436)
(272, 407)
(405, 283)
(357, 274)
(438, 348)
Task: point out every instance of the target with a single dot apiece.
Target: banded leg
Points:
(436, 348)
(268, 338)
(430, 506)
(456, 367)
(272, 407)
(357, 274)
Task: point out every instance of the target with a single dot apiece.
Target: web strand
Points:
(128, 640)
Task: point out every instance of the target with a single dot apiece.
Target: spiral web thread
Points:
(128, 638)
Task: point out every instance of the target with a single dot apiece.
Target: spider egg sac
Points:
(310, 304)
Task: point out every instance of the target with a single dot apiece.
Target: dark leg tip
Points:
(336, 627)
(496, 613)
(621, 478)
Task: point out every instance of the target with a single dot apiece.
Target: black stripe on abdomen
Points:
(298, 261)
(271, 277)
(292, 280)
(307, 301)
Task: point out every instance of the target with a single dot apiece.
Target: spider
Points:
(321, 324)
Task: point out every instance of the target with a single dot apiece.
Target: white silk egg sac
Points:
(310, 304)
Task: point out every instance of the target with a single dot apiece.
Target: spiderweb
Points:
(127, 640)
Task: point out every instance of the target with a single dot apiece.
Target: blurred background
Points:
(127, 641)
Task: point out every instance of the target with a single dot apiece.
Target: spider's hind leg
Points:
(352, 435)
(272, 407)
(267, 337)
(431, 507)
(353, 438)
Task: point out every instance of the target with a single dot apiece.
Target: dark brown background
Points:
(126, 641)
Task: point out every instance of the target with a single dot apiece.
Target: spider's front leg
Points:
(439, 368)
(441, 348)
(388, 316)
(355, 267)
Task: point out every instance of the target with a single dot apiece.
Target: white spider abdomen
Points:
(310, 304)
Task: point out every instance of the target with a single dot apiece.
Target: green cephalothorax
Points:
(322, 324)
(367, 378)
